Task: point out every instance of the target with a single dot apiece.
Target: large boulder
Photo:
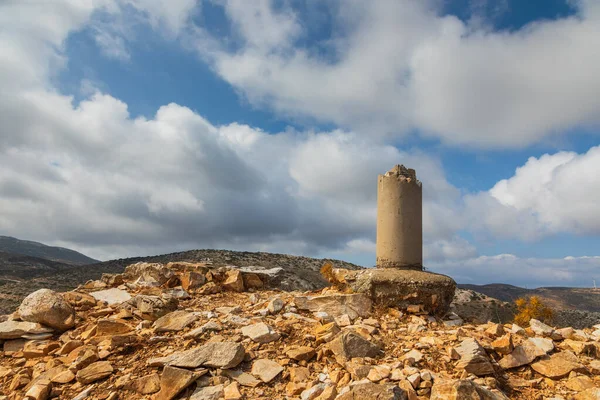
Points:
(349, 345)
(48, 308)
(402, 288)
(473, 358)
(147, 274)
(523, 354)
(558, 365)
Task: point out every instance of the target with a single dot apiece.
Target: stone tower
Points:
(399, 220)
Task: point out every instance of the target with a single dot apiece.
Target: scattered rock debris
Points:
(189, 331)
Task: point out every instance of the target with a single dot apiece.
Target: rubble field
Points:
(187, 330)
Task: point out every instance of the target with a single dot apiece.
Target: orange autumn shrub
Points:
(532, 307)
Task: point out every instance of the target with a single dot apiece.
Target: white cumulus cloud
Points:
(391, 67)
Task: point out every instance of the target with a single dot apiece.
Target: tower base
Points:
(401, 287)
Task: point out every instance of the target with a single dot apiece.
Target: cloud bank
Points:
(87, 175)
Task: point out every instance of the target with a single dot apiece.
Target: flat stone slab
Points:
(337, 304)
(401, 288)
(111, 296)
(15, 329)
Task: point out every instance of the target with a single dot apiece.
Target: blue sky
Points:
(145, 114)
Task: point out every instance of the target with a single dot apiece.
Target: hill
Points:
(567, 298)
(13, 245)
(21, 275)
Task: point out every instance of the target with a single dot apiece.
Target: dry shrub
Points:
(532, 307)
(327, 272)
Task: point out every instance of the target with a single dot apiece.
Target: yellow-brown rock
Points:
(94, 372)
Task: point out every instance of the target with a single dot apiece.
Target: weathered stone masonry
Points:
(399, 220)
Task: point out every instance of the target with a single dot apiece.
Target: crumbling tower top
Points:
(400, 171)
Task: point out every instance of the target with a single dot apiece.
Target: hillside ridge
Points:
(30, 248)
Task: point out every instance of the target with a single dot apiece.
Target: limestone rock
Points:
(80, 301)
(242, 378)
(545, 345)
(378, 373)
(454, 389)
(504, 344)
(416, 355)
(564, 333)
(208, 393)
(94, 372)
(521, 355)
(174, 321)
(557, 365)
(48, 308)
(152, 308)
(299, 374)
(336, 305)
(191, 280)
(414, 380)
(326, 332)
(111, 296)
(111, 327)
(63, 377)
(40, 390)
(232, 392)
(275, 305)
(266, 370)
(329, 393)
(254, 280)
(178, 292)
(580, 383)
(589, 394)
(173, 381)
(210, 326)
(473, 358)
(539, 328)
(595, 367)
(145, 385)
(15, 329)
(349, 345)
(313, 392)
(234, 281)
(209, 288)
(494, 330)
(150, 274)
(373, 391)
(215, 354)
(260, 333)
(579, 347)
(300, 353)
(112, 280)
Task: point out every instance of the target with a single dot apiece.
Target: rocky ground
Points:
(200, 332)
(21, 275)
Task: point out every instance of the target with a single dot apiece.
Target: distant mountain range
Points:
(34, 249)
(569, 298)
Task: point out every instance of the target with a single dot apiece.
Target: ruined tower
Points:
(399, 220)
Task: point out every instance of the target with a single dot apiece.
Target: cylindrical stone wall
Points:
(399, 220)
